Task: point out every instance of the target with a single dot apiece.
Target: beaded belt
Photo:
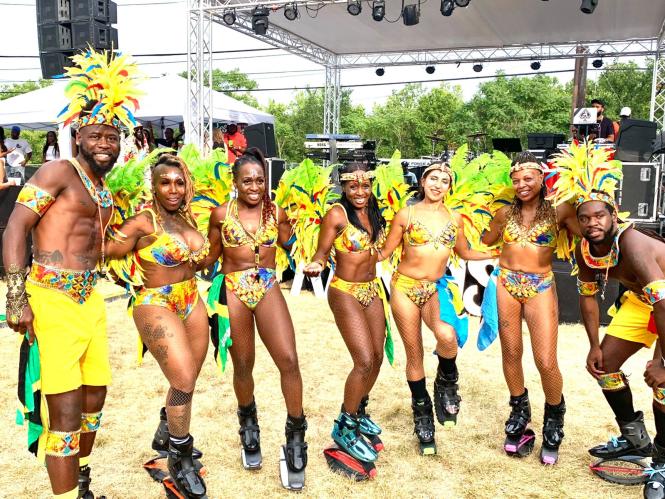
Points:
(77, 284)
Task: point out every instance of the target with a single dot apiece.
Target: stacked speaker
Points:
(69, 26)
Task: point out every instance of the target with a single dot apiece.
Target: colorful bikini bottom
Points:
(364, 292)
(251, 285)
(524, 285)
(419, 291)
(180, 297)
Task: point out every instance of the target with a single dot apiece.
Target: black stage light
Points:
(447, 7)
(588, 6)
(260, 20)
(291, 11)
(229, 16)
(462, 3)
(430, 70)
(597, 63)
(477, 68)
(411, 14)
(378, 10)
(380, 72)
(354, 7)
(535, 65)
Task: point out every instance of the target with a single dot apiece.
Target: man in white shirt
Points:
(20, 156)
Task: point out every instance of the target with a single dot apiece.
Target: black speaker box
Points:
(636, 140)
(569, 305)
(53, 11)
(113, 13)
(544, 140)
(53, 63)
(275, 171)
(95, 33)
(84, 10)
(262, 136)
(54, 37)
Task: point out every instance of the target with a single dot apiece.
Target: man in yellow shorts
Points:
(67, 206)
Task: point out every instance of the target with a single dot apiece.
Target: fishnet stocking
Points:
(542, 318)
(242, 350)
(363, 331)
(275, 327)
(510, 334)
(446, 339)
(179, 349)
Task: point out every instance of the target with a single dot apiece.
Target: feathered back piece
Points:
(585, 173)
(304, 193)
(479, 188)
(107, 82)
(389, 187)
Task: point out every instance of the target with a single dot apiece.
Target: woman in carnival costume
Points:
(246, 232)
(429, 232)
(530, 230)
(166, 250)
(355, 228)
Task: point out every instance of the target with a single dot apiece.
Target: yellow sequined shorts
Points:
(631, 321)
(364, 292)
(419, 291)
(251, 285)
(525, 285)
(180, 297)
(73, 347)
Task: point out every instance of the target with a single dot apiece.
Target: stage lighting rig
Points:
(430, 70)
(597, 63)
(291, 11)
(447, 7)
(380, 72)
(535, 65)
(229, 16)
(411, 14)
(354, 7)
(588, 6)
(260, 21)
(477, 68)
(378, 10)
(462, 3)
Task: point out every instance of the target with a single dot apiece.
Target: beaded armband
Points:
(659, 395)
(35, 199)
(587, 288)
(17, 298)
(655, 291)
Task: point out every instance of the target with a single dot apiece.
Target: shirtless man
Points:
(615, 250)
(67, 207)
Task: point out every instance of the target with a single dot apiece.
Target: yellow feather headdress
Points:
(107, 82)
(585, 173)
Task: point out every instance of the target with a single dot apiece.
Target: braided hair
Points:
(255, 156)
(376, 220)
(545, 211)
(173, 161)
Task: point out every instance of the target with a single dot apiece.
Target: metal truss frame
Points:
(657, 112)
(202, 13)
(198, 124)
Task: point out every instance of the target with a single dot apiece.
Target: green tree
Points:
(623, 84)
(233, 83)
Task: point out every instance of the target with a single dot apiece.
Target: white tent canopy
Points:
(165, 98)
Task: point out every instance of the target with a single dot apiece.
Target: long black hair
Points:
(545, 210)
(254, 155)
(56, 146)
(376, 220)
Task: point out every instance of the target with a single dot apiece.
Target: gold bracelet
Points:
(15, 280)
(15, 306)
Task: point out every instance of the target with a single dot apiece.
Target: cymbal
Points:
(434, 137)
(477, 134)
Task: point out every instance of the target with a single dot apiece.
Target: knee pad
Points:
(613, 382)
(90, 421)
(62, 443)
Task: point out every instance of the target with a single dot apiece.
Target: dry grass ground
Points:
(470, 462)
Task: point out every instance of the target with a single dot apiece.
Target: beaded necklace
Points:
(611, 259)
(102, 198)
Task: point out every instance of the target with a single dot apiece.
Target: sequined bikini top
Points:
(606, 261)
(353, 240)
(168, 250)
(234, 234)
(418, 234)
(540, 234)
